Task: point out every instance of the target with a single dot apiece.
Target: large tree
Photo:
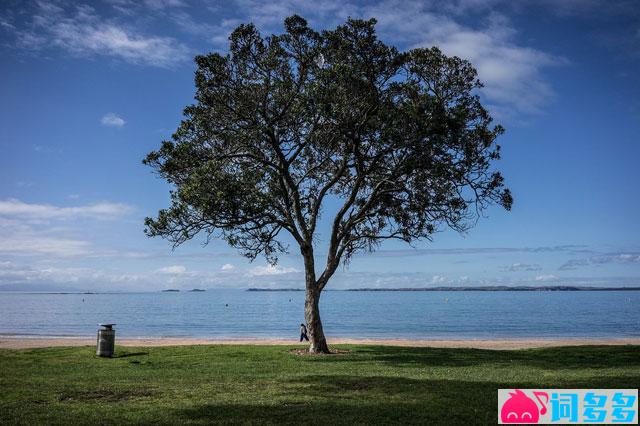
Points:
(284, 123)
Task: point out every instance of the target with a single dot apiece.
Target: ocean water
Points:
(242, 314)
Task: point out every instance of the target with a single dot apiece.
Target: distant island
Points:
(504, 288)
(196, 289)
(484, 288)
(275, 289)
(171, 290)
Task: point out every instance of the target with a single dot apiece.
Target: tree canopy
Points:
(282, 123)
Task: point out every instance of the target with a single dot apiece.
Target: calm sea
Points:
(413, 315)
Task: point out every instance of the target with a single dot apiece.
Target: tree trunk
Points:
(317, 341)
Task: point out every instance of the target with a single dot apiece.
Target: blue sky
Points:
(87, 89)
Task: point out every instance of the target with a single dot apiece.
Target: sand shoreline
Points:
(21, 342)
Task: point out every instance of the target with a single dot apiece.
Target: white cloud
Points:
(512, 73)
(112, 120)
(132, 7)
(175, 269)
(599, 260)
(6, 24)
(83, 32)
(37, 244)
(546, 278)
(624, 258)
(79, 278)
(572, 249)
(12, 273)
(87, 277)
(217, 33)
(28, 229)
(511, 70)
(271, 270)
(227, 267)
(438, 279)
(21, 210)
(557, 7)
(111, 40)
(515, 267)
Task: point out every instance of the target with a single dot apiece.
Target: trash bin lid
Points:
(107, 326)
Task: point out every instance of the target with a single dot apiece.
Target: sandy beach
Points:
(10, 342)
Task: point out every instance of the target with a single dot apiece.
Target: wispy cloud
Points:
(131, 7)
(438, 279)
(546, 278)
(50, 273)
(11, 273)
(574, 249)
(271, 270)
(516, 267)
(112, 120)
(82, 31)
(21, 210)
(620, 258)
(6, 24)
(33, 243)
(174, 269)
(562, 8)
(29, 229)
(512, 72)
(215, 33)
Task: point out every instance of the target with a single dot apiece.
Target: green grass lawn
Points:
(269, 385)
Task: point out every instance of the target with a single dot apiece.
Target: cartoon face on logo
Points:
(519, 408)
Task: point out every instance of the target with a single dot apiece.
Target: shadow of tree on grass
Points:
(344, 399)
(548, 358)
(129, 354)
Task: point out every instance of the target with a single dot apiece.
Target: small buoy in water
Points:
(226, 304)
(446, 300)
(289, 300)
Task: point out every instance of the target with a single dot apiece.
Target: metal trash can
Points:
(106, 340)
